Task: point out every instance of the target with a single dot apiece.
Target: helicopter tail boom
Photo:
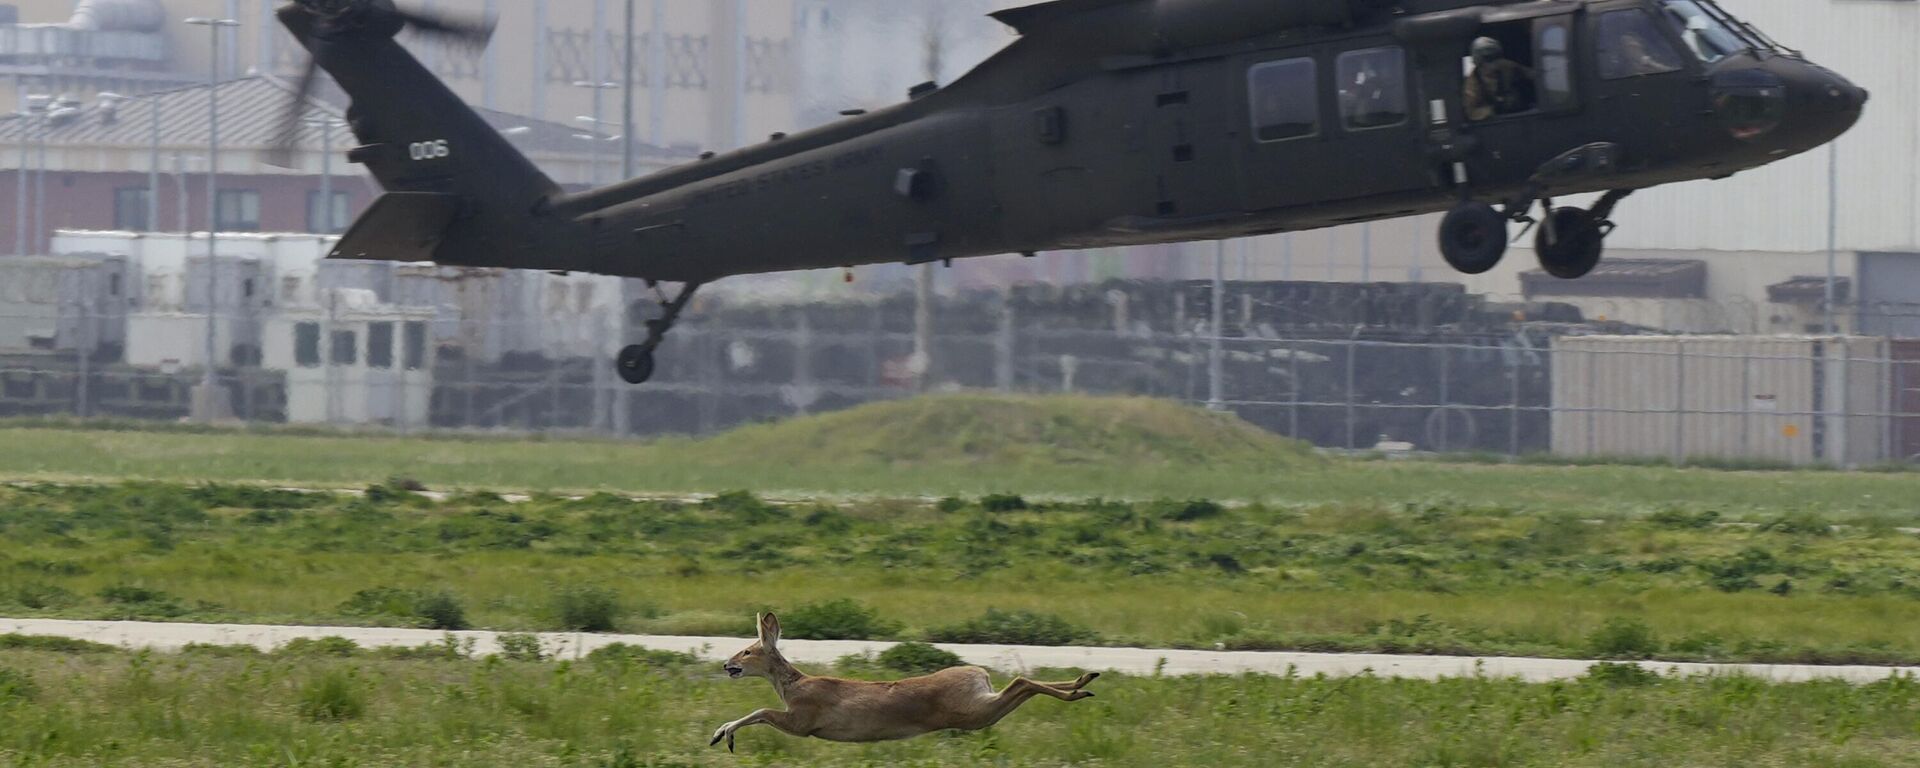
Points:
(458, 190)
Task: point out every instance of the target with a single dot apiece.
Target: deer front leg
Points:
(779, 720)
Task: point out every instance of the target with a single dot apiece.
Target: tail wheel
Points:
(1570, 243)
(1473, 237)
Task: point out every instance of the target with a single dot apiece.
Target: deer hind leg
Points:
(1075, 684)
(995, 708)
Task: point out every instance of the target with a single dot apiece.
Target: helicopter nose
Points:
(1789, 105)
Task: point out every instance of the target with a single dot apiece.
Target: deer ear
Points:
(769, 629)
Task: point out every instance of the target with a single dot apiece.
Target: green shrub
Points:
(745, 507)
(41, 596)
(1002, 502)
(324, 646)
(521, 646)
(16, 642)
(622, 654)
(1620, 675)
(586, 609)
(219, 651)
(333, 695)
(449, 648)
(950, 504)
(1187, 511)
(440, 610)
(842, 619)
(1799, 524)
(1684, 520)
(918, 658)
(1014, 628)
(1624, 638)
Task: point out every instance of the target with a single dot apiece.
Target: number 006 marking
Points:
(429, 150)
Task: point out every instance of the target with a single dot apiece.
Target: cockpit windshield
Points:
(1713, 34)
(1706, 36)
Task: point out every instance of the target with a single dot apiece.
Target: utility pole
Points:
(209, 383)
(935, 40)
(1833, 233)
(36, 107)
(1216, 354)
(626, 105)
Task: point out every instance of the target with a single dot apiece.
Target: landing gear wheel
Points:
(1570, 242)
(1473, 237)
(635, 364)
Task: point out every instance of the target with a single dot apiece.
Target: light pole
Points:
(326, 124)
(36, 106)
(626, 102)
(603, 85)
(210, 382)
(153, 159)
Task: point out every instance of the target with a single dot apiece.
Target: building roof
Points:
(1626, 278)
(251, 111)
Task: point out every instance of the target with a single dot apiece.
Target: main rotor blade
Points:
(473, 32)
(289, 136)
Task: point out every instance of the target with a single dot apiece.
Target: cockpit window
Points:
(1705, 35)
(1630, 45)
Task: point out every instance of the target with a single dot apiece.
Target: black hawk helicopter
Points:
(1119, 122)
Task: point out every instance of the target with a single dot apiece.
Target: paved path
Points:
(1136, 661)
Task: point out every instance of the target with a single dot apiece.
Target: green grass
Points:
(633, 709)
(953, 445)
(1429, 577)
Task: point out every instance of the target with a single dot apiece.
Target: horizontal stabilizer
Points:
(401, 226)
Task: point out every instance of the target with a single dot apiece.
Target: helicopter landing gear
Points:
(1571, 240)
(635, 363)
(1473, 237)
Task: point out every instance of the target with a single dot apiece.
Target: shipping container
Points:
(1797, 400)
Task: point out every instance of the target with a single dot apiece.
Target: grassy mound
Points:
(979, 429)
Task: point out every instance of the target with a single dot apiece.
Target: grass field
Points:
(1425, 577)
(971, 446)
(217, 707)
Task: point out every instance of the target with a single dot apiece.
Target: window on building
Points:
(238, 210)
(327, 214)
(1630, 44)
(1373, 87)
(416, 345)
(1286, 103)
(306, 345)
(345, 348)
(130, 209)
(380, 345)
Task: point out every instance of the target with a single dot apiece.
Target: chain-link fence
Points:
(1358, 367)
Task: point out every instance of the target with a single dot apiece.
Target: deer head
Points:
(762, 658)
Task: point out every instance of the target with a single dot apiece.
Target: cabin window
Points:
(1554, 42)
(1629, 44)
(1373, 88)
(1285, 98)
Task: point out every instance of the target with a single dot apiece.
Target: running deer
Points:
(960, 698)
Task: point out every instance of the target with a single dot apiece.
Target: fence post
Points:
(1293, 397)
(84, 345)
(1746, 399)
(1353, 348)
(1513, 405)
(1446, 398)
(1592, 399)
(1679, 401)
(1003, 348)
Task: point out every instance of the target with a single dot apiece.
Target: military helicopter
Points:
(1119, 122)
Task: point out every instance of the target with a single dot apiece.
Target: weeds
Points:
(842, 619)
(1015, 628)
(917, 658)
(332, 695)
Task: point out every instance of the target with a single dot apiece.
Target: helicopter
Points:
(1117, 122)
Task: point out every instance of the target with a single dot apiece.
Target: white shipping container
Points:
(1800, 400)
